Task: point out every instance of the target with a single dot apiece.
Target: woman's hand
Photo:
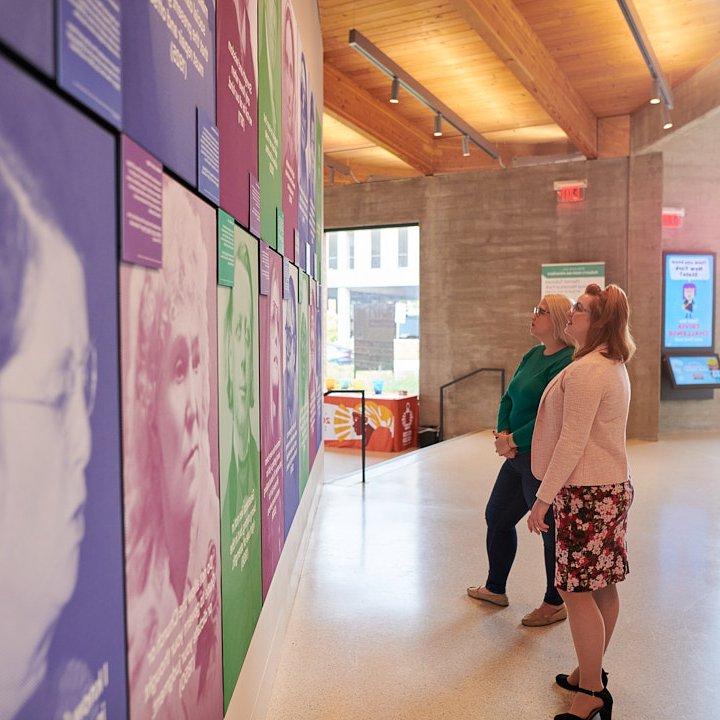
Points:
(536, 518)
(503, 444)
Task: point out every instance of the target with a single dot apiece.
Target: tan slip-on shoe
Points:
(538, 619)
(479, 592)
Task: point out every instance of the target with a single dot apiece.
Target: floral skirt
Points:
(590, 527)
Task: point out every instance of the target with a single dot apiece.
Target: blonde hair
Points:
(609, 324)
(559, 307)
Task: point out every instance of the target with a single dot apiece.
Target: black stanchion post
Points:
(363, 435)
(362, 442)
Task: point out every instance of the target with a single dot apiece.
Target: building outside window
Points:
(332, 251)
(402, 247)
(351, 250)
(375, 256)
(373, 320)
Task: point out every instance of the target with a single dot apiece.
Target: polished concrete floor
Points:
(340, 462)
(382, 627)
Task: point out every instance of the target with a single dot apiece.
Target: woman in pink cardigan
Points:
(579, 454)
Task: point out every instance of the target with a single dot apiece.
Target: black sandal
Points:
(605, 711)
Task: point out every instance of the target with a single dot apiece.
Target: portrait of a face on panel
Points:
(154, 412)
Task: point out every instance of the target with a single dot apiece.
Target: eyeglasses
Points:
(75, 376)
(538, 311)
(577, 308)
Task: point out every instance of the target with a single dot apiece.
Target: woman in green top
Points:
(514, 492)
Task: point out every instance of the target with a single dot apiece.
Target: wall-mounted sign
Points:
(689, 300)
(571, 279)
(569, 191)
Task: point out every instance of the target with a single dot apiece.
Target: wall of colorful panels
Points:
(160, 193)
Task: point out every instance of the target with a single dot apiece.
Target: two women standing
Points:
(578, 454)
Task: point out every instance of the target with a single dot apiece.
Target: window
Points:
(351, 251)
(332, 251)
(402, 247)
(375, 249)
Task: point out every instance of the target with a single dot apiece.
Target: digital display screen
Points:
(689, 300)
(694, 370)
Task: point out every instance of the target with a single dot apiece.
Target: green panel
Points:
(238, 368)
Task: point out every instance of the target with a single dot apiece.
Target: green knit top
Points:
(519, 405)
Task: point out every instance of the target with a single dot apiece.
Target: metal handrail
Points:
(362, 442)
(441, 429)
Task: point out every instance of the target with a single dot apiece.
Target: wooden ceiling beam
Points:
(502, 26)
(379, 122)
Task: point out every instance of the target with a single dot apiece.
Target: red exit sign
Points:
(672, 218)
(570, 191)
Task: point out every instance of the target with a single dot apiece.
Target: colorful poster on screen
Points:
(302, 210)
(689, 302)
(570, 279)
(695, 370)
(291, 482)
(269, 109)
(169, 395)
(89, 65)
(30, 33)
(237, 103)
(271, 414)
(290, 127)
(168, 71)
(62, 648)
(238, 368)
(303, 380)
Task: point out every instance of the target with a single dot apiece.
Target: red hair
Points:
(609, 324)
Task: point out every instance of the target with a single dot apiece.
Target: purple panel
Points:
(141, 205)
(62, 639)
(168, 69)
(271, 396)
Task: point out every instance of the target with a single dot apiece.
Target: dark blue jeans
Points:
(510, 500)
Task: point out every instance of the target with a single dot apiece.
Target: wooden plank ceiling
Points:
(492, 61)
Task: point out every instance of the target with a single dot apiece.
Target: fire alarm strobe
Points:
(569, 191)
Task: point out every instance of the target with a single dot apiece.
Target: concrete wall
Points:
(483, 237)
(691, 180)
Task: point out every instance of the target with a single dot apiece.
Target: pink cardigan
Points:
(579, 436)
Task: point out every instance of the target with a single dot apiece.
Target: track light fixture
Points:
(395, 91)
(656, 96)
(667, 119)
(632, 18)
(443, 114)
(465, 146)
